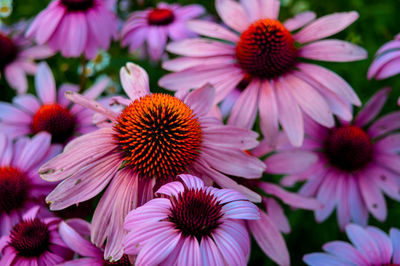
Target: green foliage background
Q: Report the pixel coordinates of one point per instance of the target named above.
(378, 23)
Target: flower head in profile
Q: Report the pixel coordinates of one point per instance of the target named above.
(34, 241)
(369, 246)
(75, 27)
(348, 167)
(152, 140)
(155, 25)
(17, 57)
(193, 225)
(387, 60)
(20, 184)
(263, 58)
(50, 112)
(75, 234)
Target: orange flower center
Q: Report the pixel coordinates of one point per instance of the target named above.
(159, 136)
(56, 120)
(266, 49)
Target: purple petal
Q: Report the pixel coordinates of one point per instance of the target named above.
(232, 14)
(372, 108)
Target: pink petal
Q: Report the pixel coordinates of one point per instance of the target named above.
(326, 26)
(333, 51)
(363, 242)
(372, 196)
(395, 238)
(300, 20)
(330, 80)
(315, 259)
(16, 77)
(192, 182)
(171, 189)
(241, 210)
(269, 239)
(34, 151)
(244, 111)
(211, 29)
(270, 8)
(290, 115)
(385, 125)
(372, 108)
(230, 249)
(190, 253)
(390, 69)
(200, 47)
(268, 111)
(381, 61)
(342, 197)
(201, 100)
(210, 253)
(45, 84)
(358, 211)
(290, 198)
(327, 196)
(37, 52)
(253, 9)
(277, 215)
(135, 81)
(182, 63)
(243, 139)
(13, 115)
(346, 251)
(310, 101)
(156, 39)
(27, 102)
(290, 162)
(75, 27)
(382, 242)
(232, 14)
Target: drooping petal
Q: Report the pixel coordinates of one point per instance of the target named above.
(135, 81)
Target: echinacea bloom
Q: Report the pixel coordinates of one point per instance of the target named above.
(52, 112)
(75, 27)
(151, 141)
(34, 241)
(17, 58)
(155, 25)
(387, 60)
(262, 58)
(20, 184)
(348, 167)
(370, 246)
(75, 234)
(193, 225)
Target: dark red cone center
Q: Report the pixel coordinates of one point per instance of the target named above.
(266, 49)
(160, 16)
(14, 189)
(56, 120)
(8, 51)
(30, 238)
(195, 213)
(349, 148)
(77, 5)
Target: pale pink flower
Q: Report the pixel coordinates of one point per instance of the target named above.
(17, 57)
(387, 60)
(370, 246)
(193, 225)
(34, 241)
(20, 184)
(155, 25)
(75, 27)
(75, 234)
(156, 137)
(259, 57)
(50, 112)
(349, 167)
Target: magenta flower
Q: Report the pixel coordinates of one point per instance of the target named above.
(155, 138)
(260, 58)
(348, 167)
(387, 60)
(20, 184)
(51, 112)
(370, 246)
(193, 225)
(75, 27)
(74, 233)
(17, 58)
(34, 241)
(155, 25)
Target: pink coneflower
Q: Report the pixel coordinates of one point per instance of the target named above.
(370, 246)
(349, 167)
(74, 27)
(155, 138)
(387, 60)
(34, 241)
(75, 234)
(156, 25)
(17, 58)
(51, 112)
(193, 225)
(20, 184)
(261, 57)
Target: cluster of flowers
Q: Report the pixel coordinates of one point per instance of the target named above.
(176, 185)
